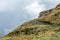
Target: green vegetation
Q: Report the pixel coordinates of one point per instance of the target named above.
(46, 27)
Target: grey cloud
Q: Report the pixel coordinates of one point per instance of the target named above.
(14, 14)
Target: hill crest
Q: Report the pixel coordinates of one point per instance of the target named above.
(45, 27)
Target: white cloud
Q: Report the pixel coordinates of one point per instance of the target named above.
(7, 5)
(53, 1)
(34, 8)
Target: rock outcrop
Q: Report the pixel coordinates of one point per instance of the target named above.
(45, 27)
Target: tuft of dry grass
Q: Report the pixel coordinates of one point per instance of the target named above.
(45, 27)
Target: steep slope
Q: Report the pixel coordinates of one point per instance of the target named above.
(45, 27)
(51, 16)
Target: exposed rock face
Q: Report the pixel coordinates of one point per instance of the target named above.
(45, 27)
(52, 15)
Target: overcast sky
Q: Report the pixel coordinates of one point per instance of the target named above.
(15, 12)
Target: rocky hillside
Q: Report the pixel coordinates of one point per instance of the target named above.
(45, 27)
(51, 16)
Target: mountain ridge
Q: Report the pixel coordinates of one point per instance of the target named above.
(45, 27)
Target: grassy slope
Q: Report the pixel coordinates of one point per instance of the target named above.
(46, 27)
(35, 31)
(52, 15)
